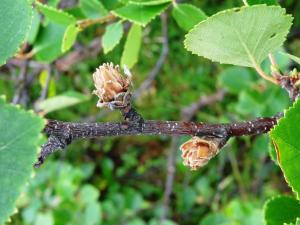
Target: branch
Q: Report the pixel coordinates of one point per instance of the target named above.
(63, 133)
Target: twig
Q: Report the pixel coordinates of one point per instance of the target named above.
(79, 54)
(22, 83)
(188, 112)
(171, 169)
(162, 58)
(66, 132)
(83, 24)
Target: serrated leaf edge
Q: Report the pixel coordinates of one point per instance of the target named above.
(25, 36)
(71, 17)
(280, 121)
(139, 23)
(226, 11)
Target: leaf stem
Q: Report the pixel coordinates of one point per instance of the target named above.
(263, 74)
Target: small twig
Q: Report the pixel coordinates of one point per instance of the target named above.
(78, 55)
(160, 62)
(83, 24)
(171, 169)
(245, 3)
(188, 112)
(22, 83)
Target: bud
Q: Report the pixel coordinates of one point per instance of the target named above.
(112, 87)
(196, 152)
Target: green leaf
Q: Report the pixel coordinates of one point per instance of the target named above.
(139, 14)
(292, 57)
(93, 214)
(132, 46)
(20, 134)
(187, 15)
(286, 136)
(149, 2)
(112, 36)
(33, 32)
(268, 2)
(93, 9)
(15, 21)
(49, 42)
(281, 209)
(242, 36)
(236, 79)
(58, 102)
(55, 15)
(69, 37)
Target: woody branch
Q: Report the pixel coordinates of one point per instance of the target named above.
(114, 92)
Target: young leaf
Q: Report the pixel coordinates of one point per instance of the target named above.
(69, 37)
(268, 2)
(187, 15)
(49, 42)
(139, 14)
(93, 9)
(18, 14)
(55, 15)
(112, 36)
(149, 2)
(292, 57)
(281, 209)
(286, 136)
(61, 101)
(20, 133)
(242, 36)
(132, 46)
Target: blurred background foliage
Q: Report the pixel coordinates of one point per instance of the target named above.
(122, 180)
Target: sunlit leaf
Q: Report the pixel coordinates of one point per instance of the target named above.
(69, 37)
(61, 101)
(281, 209)
(286, 136)
(139, 14)
(244, 37)
(187, 15)
(132, 46)
(15, 21)
(20, 134)
(112, 36)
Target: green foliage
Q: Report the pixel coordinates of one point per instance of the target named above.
(268, 2)
(63, 100)
(236, 213)
(232, 44)
(55, 15)
(285, 137)
(292, 57)
(149, 2)
(112, 36)
(140, 14)
(93, 9)
(20, 134)
(187, 15)
(69, 37)
(49, 42)
(132, 46)
(236, 79)
(15, 22)
(281, 209)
